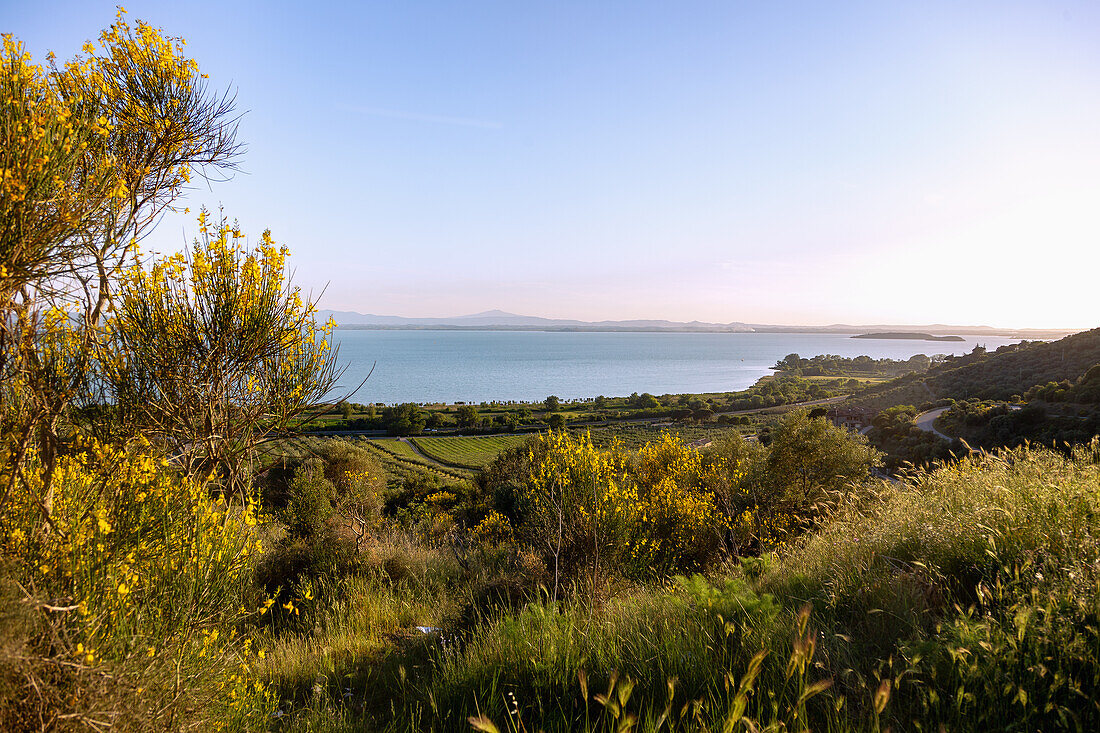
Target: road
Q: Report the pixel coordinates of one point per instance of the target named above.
(925, 421)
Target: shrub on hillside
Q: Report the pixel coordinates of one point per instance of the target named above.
(135, 572)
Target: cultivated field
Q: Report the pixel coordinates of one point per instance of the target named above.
(634, 435)
(399, 458)
(472, 452)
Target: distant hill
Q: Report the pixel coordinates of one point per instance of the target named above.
(503, 321)
(1011, 370)
(908, 335)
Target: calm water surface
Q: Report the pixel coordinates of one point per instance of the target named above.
(477, 366)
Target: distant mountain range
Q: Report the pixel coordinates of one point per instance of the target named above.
(497, 320)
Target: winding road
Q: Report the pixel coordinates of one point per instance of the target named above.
(926, 421)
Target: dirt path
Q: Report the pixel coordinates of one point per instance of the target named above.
(429, 459)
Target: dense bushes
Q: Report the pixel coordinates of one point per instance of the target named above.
(331, 504)
(833, 365)
(1010, 370)
(669, 507)
(787, 389)
(1085, 390)
(137, 571)
(904, 444)
(998, 424)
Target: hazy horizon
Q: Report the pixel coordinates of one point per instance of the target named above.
(800, 163)
(503, 313)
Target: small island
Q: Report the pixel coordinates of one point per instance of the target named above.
(908, 335)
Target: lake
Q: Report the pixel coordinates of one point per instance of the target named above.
(483, 366)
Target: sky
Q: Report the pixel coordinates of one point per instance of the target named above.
(764, 162)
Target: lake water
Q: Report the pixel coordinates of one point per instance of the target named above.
(482, 366)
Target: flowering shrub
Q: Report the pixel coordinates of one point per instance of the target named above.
(677, 525)
(138, 569)
(128, 578)
(578, 504)
(606, 510)
(214, 353)
(494, 529)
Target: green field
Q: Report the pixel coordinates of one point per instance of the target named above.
(399, 458)
(294, 448)
(471, 452)
(455, 458)
(398, 448)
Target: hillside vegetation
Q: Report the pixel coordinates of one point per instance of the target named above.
(1008, 372)
(175, 555)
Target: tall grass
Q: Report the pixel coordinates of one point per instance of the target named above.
(966, 597)
(672, 657)
(330, 670)
(976, 586)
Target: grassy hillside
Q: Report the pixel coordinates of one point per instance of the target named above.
(1000, 375)
(963, 599)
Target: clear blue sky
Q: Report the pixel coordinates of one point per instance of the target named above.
(774, 162)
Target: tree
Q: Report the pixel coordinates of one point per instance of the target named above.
(919, 362)
(600, 402)
(404, 419)
(807, 458)
(789, 363)
(552, 403)
(467, 416)
(557, 421)
(92, 154)
(213, 353)
(508, 420)
(358, 483)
